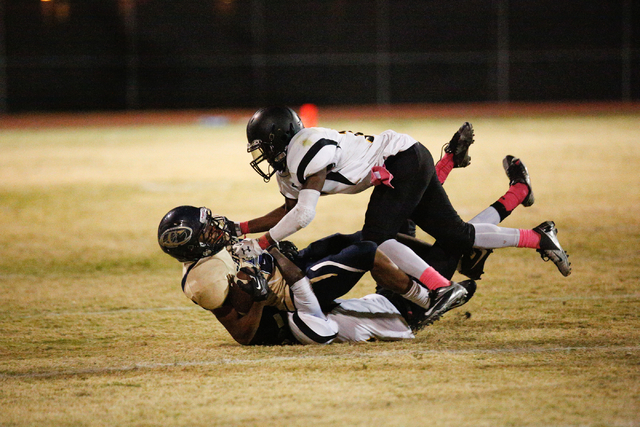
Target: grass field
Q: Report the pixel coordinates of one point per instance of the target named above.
(95, 331)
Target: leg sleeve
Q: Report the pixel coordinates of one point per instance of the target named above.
(443, 261)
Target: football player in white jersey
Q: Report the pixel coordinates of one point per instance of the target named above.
(282, 305)
(309, 162)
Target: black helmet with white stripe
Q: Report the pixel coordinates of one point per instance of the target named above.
(269, 132)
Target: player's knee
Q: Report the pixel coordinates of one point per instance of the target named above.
(310, 329)
(458, 238)
(376, 237)
(367, 247)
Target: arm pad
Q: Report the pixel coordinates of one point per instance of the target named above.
(299, 217)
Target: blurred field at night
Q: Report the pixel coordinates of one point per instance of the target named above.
(95, 331)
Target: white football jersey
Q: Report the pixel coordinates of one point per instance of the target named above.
(350, 155)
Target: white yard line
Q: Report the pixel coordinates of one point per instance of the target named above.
(366, 355)
(359, 355)
(142, 310)
(578, 297)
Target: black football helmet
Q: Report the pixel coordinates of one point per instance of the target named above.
(269, 132)
(188, 233)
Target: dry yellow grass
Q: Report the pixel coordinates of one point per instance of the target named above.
(94, 330)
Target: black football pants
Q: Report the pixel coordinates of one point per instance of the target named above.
(418, 195)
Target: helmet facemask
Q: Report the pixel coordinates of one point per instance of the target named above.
(266, 151)
(216, 234)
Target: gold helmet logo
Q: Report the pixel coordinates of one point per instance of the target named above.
(176, 236)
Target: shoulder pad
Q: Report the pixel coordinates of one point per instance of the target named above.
(318, 157)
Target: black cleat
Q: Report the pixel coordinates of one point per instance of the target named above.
(550, 248)
(459, 146)
(472, 263)
(518, 173)
(470, 286)
(442, 300)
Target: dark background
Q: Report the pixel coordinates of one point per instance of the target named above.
(75, 55)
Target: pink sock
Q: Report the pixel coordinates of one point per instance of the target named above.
(529, 239)
(514, 196)
(432, 279)
(444, 167)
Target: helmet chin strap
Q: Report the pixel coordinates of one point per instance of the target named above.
(280, 157)
(269, 174)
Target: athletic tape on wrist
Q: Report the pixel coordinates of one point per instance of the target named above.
(244, 227)
(264, 242)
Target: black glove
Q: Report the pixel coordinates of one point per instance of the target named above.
(255, 285)
(232, 227)
(289, 250)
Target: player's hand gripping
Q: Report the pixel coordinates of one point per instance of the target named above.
(247, 249)
(233, 227)
(288, 249)
(251, 281)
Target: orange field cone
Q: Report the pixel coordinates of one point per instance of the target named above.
(309, 115)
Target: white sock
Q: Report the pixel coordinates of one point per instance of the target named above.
(418, 294)
(490, 236)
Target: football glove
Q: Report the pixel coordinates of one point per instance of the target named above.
(255, 285)
(247, 249)
(288, 249)
(232, 227)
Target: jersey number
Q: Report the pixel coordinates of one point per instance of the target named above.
(367, 137)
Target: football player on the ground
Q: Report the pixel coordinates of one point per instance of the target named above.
(279, 303)
(309, 162)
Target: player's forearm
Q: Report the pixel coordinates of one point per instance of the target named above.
(264, 223)
(249, 324)
(290, 272)
(298, 217)
(243, 328)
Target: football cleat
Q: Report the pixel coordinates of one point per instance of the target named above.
(470, 286)
(550, 248)
(459, 146)
(472, 263)
(518, 173)
(442, 300)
